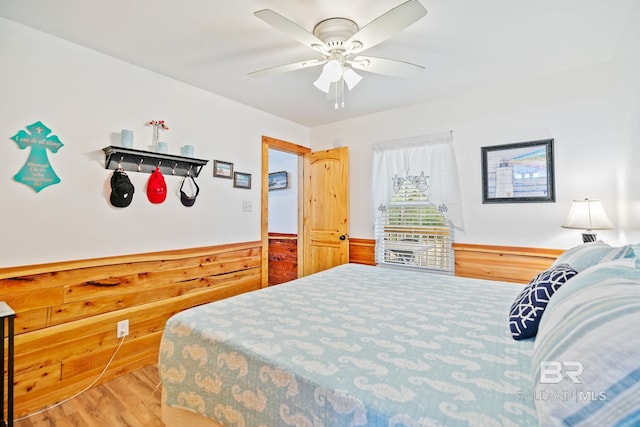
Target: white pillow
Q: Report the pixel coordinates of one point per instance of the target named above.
(589, 254)
(586, 357)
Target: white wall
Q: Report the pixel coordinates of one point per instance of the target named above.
(575, 107)
(283, 204)
(627, 126)
(86, 98)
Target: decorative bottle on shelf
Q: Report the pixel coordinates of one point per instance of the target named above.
(154, 142)
(157, 125)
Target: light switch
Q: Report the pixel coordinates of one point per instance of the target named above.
(246, 206)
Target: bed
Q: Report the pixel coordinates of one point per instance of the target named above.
(363, 345)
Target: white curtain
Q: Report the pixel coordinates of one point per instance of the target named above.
(431, 155)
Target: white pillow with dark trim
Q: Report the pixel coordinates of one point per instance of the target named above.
(526, 311)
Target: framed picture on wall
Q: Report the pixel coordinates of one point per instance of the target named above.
(241, 180)
(519, 172)
(222, 169)
(278, 180)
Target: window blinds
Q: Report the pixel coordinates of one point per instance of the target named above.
(413, 233)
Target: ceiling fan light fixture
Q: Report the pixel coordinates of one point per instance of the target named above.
(351, 78)
(322, 83)
(332, 70)
(331, 73)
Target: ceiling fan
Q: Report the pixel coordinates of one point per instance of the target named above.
(340, 40)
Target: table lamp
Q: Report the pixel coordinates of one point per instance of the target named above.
(589, 215)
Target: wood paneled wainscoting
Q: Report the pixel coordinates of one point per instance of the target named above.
(66, 313)
(362, 251)
(504, 263)
(283, 257)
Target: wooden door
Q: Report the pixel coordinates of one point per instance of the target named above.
(326, 209)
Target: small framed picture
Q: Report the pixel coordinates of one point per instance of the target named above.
(222, 169)
(520, 172)
(241, 180)
(278, 180)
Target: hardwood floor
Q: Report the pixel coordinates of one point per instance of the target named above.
(132, 400)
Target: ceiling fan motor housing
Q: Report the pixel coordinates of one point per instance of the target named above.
(335, 31)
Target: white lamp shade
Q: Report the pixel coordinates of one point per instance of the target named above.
(333, 78)
(351, 78)
(322, 83)
(331, 72)
(588, 215)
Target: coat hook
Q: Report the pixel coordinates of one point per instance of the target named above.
(173, 171)
(140, 165)
(159, 163)
(120, 162)
(189, 171)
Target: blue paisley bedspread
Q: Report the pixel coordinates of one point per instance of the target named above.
(355, 345)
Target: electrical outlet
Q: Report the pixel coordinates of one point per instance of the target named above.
(123, 328)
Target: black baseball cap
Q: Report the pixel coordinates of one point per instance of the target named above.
(121, 189)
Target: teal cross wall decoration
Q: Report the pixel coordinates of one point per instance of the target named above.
(37, 171)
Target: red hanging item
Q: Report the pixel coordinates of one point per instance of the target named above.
(156, 187)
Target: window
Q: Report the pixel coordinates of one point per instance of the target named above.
(416, 200)
(414, 233)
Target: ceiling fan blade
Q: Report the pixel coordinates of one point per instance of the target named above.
(388, 24)
(288, 67)
(291, 29)
(388, 67)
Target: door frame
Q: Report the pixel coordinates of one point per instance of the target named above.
(289, 147)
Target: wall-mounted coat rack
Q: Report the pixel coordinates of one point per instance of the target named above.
(133, 160)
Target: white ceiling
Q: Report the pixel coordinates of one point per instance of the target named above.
(213, 44)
